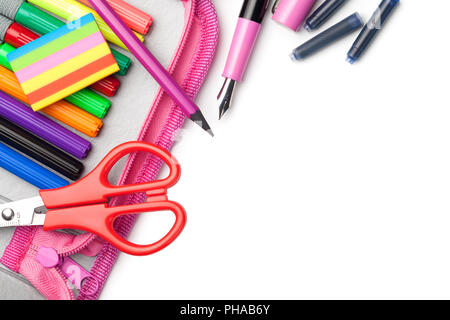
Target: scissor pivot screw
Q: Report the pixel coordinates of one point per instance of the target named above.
(8, 214)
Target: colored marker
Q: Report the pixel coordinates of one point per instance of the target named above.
(372, 27)
(323, 13)
(62, 110)
(72, 10)
(43, 127)
(86, 99)
(329, 36)
(17, 36)
(107, 86)
(74, 117)
(136, 19)
(14, 34)
(244, 39)
(28, 170)
(40, 150)
(292, 13)
(161, 75)
(42, 23)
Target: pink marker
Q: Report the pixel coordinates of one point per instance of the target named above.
(247, 31)
(292, 13)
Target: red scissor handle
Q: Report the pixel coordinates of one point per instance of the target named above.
(99, 219)
(83, 205)
(95, 188)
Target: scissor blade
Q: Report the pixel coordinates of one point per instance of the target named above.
(28, 212)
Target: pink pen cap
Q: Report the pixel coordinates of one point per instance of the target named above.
(292, 13)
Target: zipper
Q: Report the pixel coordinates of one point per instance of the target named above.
(53, 260)
(69, 291)
(68, 269)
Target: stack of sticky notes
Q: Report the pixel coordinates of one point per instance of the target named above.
(62, 62)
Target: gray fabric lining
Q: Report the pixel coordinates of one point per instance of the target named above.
(13, 287)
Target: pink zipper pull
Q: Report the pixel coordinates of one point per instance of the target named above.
(76, 274)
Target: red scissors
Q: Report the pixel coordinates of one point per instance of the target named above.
(83, 205)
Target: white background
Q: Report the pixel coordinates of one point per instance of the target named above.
(325, 180)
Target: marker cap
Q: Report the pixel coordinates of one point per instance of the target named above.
(292, 13)
(108, 86)
(4, 50)
(36, 19)
(91, 102)
(40, 125)
(123, 61)
(18, 36)
(74, 117)
(136, 19)
(28, 170)
(40, 150)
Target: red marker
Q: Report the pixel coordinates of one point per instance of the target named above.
(17, 35)
(108, 86)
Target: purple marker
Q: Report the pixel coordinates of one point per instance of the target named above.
(247, 31)
(43, 127)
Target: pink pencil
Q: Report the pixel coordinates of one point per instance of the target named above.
(150, 63)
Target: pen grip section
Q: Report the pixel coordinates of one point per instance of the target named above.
(244, 40)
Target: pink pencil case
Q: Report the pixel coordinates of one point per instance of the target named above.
(30, 253)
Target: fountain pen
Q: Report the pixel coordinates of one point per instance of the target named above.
(244, 39)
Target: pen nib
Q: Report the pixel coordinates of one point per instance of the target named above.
(225, 96)
(200, 120)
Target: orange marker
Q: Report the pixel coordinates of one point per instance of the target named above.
(62, 110)
(136, 19)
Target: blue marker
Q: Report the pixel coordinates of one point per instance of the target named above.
(29, 171)
(371, 29)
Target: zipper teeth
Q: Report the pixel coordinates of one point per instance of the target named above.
(79, 248)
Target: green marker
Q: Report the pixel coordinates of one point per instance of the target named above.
(87, 100)
(41, 22)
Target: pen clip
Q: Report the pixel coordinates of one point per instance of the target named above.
(275, 6)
